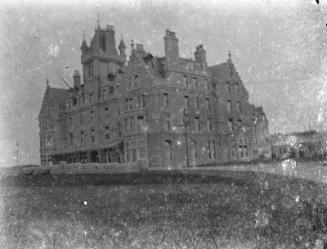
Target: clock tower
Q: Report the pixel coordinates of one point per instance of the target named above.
(100, 60)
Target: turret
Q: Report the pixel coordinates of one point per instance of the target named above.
(77, 79)
(171, 46)
(200, 55)
(84, 46)
(122, 49)
(110, 44)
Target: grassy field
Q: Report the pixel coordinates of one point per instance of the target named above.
(251, 211)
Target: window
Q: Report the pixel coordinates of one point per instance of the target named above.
(126, 105)
(83, 98)
(132, 124)
(143, 100)
(131, 103)
(70, 121)
(82, 137)
(209, 124)
(104, 94)
(136, 79)
(165, 100)
(126, 125)
(209, 150)
(186, 101)
(167, 123)
(207, 85)
(194, 152)
(141, 150)
(119, 129)
(208, 103)
(194, 82)
(240, 123)
(228, 87)
(168, 150)
(197, 123)
(91, 98)
(92, 135)
(81, 119)
(184, 81)
(107, 133)
(127, 152)
(140, 123)
(133, 150)
(111, 89)
(91, 116)
(71, 138)
(197, 103)
(230, 125)
(238, 106)
(229, 105)
(106, 113)
(213, 149)
(90, 69)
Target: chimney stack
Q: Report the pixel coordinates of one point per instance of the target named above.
(77, 79)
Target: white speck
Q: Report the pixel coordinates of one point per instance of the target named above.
(85, 203)
(179, 142)
(53, 50)
(297, 198)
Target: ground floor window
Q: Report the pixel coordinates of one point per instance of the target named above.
(141, 149)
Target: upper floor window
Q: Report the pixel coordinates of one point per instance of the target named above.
(107, 133)
(90, 69)
(104, 94)
(71, 138)
(81, 118)
(140, 123)
(70, 121)
(132, 124)
(194, 82)
(126, 105)
(186, 101)
(228, 87)
(167, 123)
(106, 113)
(197, 103)
(184, 81)
(143, 100)
(230, 124)
(197, 124)
(229, 105)
(126, 125)
(207, 103)
(238, 106)
(82, 137)
(91, 116)
(165, 100)
(207, 85)
(92, 135)
(131, 103)
(136, 81)
(209, 124)
(91, 98)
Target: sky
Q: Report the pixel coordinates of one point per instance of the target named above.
(278, 48)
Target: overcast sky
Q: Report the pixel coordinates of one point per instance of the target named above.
(278, 49)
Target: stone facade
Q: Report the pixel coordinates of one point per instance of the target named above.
(171, 111)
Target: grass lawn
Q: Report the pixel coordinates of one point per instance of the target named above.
(261, 211)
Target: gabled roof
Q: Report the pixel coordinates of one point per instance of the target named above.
(58, 95)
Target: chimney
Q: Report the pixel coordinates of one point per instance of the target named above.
(77, 79)
(171, 46)
(200, 55)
